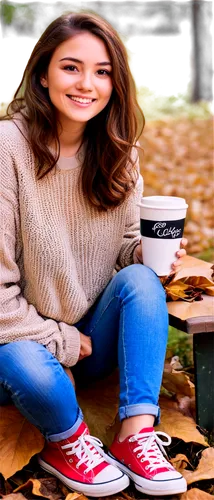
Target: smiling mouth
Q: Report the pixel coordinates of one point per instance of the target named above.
(82, 100)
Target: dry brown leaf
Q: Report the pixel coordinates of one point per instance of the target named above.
(175, 363)
(178, 383)
(186, 405)
(179, 426)
(190, 282)
(205, 469)
(195, 494)
(180, 462)
(75, 496)
(194, 267)
(46, 487)
(19, 441)
(14, 496)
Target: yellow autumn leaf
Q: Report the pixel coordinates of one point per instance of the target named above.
(19, 441)
(199, 282)
(75, 496)
(210, 290)
(176, 290)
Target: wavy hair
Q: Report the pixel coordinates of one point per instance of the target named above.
(109, 172)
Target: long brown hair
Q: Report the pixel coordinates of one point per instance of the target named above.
(109, 172)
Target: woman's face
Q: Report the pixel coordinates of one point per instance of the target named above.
(79, 78)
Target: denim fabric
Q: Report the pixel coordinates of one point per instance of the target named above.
(128, 326)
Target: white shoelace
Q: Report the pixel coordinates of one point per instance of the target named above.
(152, 449)
(88, 449)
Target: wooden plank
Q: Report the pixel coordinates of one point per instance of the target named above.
(180, 311)
(186, 310)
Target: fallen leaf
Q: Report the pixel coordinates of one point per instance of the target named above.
(195, 494)
(178, 382)
(210, 291)
(45, 487)
(75, 496)
(176, 290)
(14, 496)
(200, 282)
(205, 469)
(175, 363)
(19, 441)
(179, 426)
(186, 405)
(180, 462)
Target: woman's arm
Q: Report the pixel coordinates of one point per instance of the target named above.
(131, 237)
(18, 319)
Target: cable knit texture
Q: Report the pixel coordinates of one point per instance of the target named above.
(57, 252)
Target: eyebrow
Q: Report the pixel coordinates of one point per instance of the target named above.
(73, 59)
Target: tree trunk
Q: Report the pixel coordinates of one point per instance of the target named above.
(202, 50)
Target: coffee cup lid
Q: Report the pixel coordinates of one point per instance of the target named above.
(163, 202)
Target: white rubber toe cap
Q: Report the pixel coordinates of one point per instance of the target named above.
(110, 473)
(166, 476)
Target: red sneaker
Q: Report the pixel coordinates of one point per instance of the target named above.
(141, 457)
(82, 465)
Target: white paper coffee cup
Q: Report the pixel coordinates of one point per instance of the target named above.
(161, 224)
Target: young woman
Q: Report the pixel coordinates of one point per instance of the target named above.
(69, 217)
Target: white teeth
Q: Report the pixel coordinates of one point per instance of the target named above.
(82, 100)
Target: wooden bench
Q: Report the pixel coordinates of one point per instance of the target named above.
(197, 318)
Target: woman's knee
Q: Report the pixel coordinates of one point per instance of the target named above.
(27, 361)
(141, 280)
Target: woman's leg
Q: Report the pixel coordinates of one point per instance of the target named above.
(38, 386)
(129, 324)
(44, 394)
(132, 312)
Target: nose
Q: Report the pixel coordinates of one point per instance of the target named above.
(85, 82)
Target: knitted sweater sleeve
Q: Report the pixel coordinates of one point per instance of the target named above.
(18, 319)
(131, 237)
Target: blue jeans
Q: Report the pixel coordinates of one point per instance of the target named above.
(128, 326)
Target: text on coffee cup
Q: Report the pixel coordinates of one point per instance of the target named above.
(162, 229)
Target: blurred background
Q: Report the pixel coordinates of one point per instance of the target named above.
(169, 44)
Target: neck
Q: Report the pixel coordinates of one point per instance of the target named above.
(70, 138)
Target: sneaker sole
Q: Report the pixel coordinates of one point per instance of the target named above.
(167, 487)
(94, 490)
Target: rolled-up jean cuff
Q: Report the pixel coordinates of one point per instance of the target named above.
(66, 434)
(140, 409)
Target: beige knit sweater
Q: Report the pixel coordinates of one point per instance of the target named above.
(57, 253)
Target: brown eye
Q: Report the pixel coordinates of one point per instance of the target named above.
(66, 67)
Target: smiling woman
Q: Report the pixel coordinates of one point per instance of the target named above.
(118, 121)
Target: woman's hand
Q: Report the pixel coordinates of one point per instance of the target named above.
(85, 346)
(176, 265)
(85, 350)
